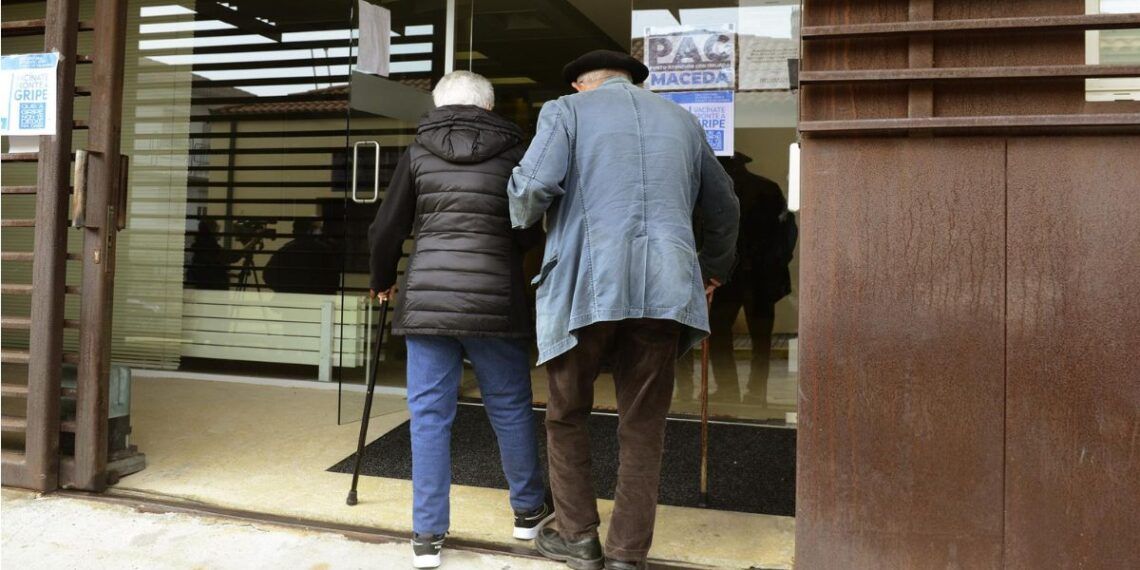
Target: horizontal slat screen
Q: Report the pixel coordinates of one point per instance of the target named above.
(966, 66)
(236, 122)
(22, 206)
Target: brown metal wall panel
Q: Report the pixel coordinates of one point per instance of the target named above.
(832, 12)
(1000, 56)
(862, 53)
(976, 9)
(901, 397)
(991, 50)
(828, 103)
(849, 102)
(1037, 97)
(823, 103)
(1073, 407)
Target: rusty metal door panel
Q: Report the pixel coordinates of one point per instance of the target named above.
(901, 406)
(37, 464)
(1073, 407)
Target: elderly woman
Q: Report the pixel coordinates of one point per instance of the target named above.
(464, 296)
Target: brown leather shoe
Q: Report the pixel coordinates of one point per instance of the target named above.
(612, 564)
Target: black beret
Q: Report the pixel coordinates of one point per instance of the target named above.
(605, 59)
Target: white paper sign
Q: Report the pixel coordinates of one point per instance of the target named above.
(794, 177)
(375, 39)
(683, 58)
(27, 89)
(717, 114)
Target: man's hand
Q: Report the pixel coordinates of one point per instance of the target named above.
(710, 287)
(383, 295)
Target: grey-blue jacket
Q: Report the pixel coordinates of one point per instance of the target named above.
(619, 171)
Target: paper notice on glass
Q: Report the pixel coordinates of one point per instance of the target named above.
(716, 112)
(686, 57)
(769, 40)
(375, 39)
(27, 89)
(794, 177)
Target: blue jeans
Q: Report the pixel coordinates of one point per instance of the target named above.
(435, 367)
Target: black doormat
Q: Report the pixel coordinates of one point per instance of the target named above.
(752, 469)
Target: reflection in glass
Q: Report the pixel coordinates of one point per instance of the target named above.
(1113, 47)
(753, 318)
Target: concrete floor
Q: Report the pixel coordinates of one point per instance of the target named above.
(57, 533)
(266, 449)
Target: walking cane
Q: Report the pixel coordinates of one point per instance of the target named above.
(368, 401)
(704, 499)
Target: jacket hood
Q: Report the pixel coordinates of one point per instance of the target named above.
(466, 134)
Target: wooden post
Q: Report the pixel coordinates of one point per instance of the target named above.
(99, 244)
(49, 257)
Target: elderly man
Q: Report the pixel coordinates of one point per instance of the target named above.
(618, 172)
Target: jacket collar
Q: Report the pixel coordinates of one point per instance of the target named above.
(614, 81)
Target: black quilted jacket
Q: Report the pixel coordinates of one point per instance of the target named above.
(465, 275)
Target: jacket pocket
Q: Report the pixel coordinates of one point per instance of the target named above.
(547, 267)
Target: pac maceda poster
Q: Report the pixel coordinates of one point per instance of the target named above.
(684, 58)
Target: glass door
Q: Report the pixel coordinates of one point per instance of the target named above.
(235, 116)
(754, 318)
(399, 50)
(521, 47)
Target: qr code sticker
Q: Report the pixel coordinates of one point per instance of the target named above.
(33, 115)
(716, 139)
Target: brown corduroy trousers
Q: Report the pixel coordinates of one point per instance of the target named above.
(643, 353)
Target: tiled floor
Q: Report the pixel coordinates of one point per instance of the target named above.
(267, 448)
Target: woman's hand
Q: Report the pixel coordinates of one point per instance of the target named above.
(383, 295)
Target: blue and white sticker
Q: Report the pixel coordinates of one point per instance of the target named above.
(28, 92)
(716, 112)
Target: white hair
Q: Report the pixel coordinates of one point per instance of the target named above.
(464, 88)
(600, 75)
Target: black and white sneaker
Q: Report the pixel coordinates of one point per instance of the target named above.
(527, 524)
(425, 550)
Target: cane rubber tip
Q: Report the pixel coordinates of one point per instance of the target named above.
(351, 500)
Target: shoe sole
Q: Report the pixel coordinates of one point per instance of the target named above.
(575, 563)
(523, 533)
(425, 561)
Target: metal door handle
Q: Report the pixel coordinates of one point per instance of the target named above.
(375, 172)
